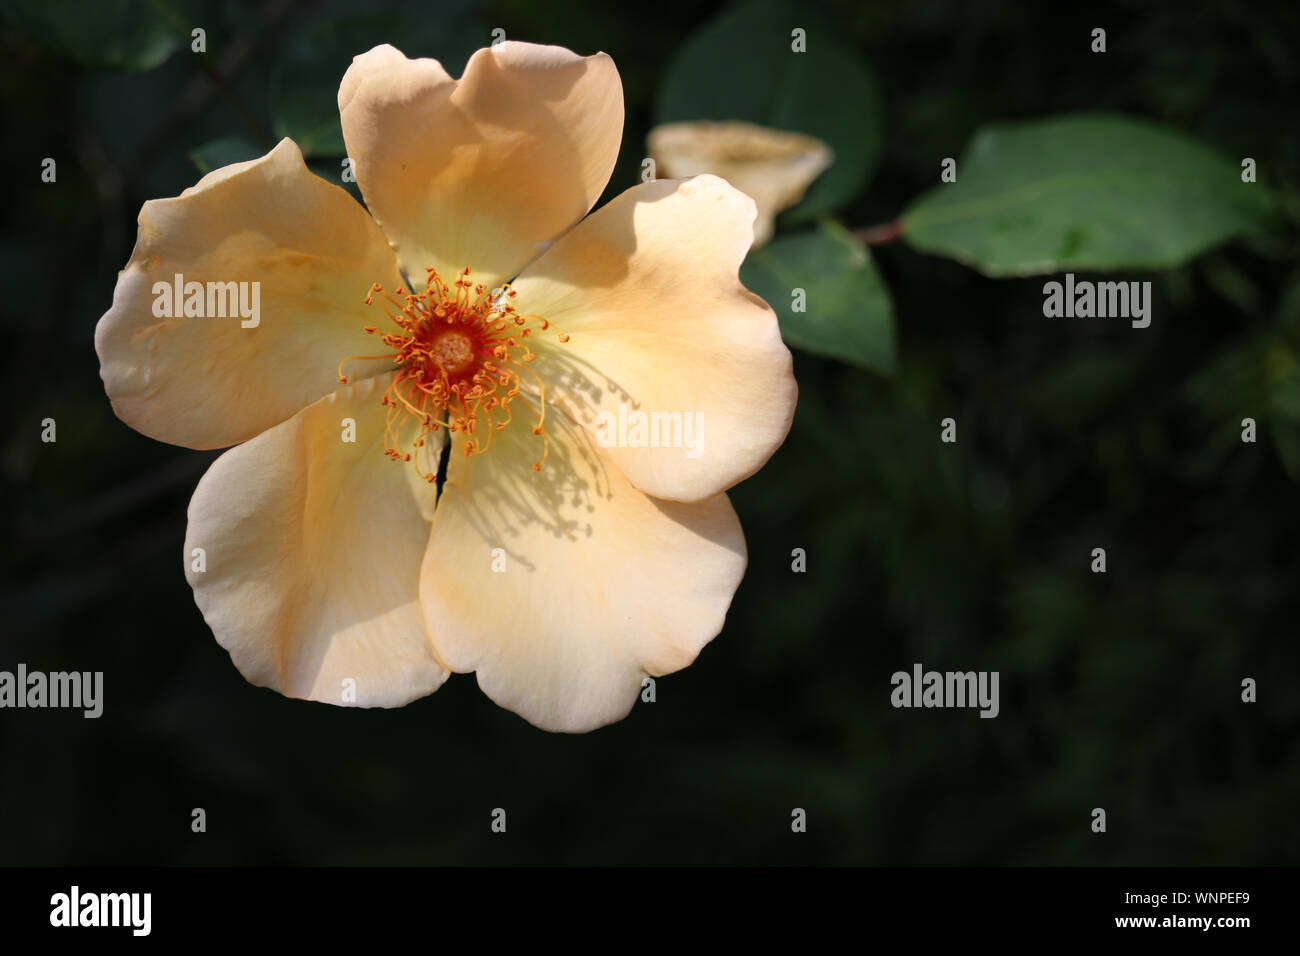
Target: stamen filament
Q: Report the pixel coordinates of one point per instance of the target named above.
(459, 350)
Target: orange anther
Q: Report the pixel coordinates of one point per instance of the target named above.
(455, 366)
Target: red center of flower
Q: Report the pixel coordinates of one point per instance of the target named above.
(459, 352)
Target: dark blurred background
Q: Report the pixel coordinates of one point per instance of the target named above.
(1119, 690)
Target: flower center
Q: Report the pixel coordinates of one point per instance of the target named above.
(454, 351)
(459, 352)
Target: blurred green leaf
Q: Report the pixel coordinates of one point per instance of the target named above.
(740, 66)
(1085, 191)
(305, 84)
(1282, 369)
(224, 151)
(1258, 378)
(132, 35)
(1083, 385)
(849, 314)
(1286, 440)
(1231, 283)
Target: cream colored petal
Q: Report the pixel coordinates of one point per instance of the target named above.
(564, 588)
(312, 548)
(661, 330)
(211, 381)
(773, 167)
(478, 172)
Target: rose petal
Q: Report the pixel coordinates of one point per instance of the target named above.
(312, 547)
(600, 584)
(478, 172)
(210, 382)
(647, 288)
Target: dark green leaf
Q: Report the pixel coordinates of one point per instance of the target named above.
(740, 66)
(1283, 371)
(849, 314)
(305, 86)
(223, 152)
(1286, 441)
(1087, 191)
(132, 35)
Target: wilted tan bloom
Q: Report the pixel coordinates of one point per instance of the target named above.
(771, 166)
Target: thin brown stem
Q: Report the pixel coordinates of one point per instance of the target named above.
(879, 235)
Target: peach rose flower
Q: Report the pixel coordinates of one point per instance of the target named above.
(578, 542)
